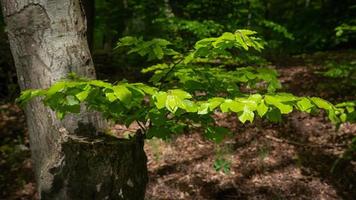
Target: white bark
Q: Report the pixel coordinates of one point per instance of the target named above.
(48, 41)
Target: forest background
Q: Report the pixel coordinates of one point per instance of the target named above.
(310, 43)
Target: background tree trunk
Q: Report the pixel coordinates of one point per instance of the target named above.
(89, 10)
(72, 159)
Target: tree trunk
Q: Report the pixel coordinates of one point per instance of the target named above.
(72, 159)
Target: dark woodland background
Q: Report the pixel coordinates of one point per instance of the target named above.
(311, 43)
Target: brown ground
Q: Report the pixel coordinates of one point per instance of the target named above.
(291, 160)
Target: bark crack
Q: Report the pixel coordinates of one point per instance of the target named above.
(30, 19)
(24, 8)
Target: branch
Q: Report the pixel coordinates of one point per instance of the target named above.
(169, 71)
(141, 126)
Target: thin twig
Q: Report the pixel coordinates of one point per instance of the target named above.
(169, 71)
(141, 126)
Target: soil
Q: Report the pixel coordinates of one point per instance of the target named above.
(296, 159)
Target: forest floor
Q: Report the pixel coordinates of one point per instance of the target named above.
(290, 160)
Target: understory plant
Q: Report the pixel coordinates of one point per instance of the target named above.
(186, 89)
(344, 72)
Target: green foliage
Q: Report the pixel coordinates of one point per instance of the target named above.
(214, 80)
(345, 29)
(187, 90)
(153, 49)
(126, 102)
(214, 47)
(312, 24)
(218, 46)
(277, 28)
(344, 72)
(197, 70)
(194, 29)
(275, 34)
(348, 112)
(222, 165)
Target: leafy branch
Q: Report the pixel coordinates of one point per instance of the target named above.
(118, 101)
(192, 93)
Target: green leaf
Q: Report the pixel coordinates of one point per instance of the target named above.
(123, 94)
(279, 102)
(72, 100)
(247, 32)
(274, 115)
(158, 132)
(256, 98)
(127, 41)
(305, 105)
(350, 109)
(246, 115)
(223, 40)
(215, 102)
(158, 52)
(188, 106)
(57, 87)
(251, 102)
(82, 95)
(332, 116)
(55, 100)
(111, 96)
(202, 52)
(321, 103)
(222, 164)
(145, 88)
(228, 36)
(189, 58)
(231, 105)
(240, 41)
(173, 102)
(161, 42)
(203, 109)
(28, 95)
(155, 68)
(160, 99)
(72, 108)
(60, 115)
(262, 109)
(180, 93)
(157, 117)
(343, 117)
(100, 84)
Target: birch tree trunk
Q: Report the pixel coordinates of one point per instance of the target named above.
(72, 159)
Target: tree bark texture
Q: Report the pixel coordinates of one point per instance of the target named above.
(72, 160)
